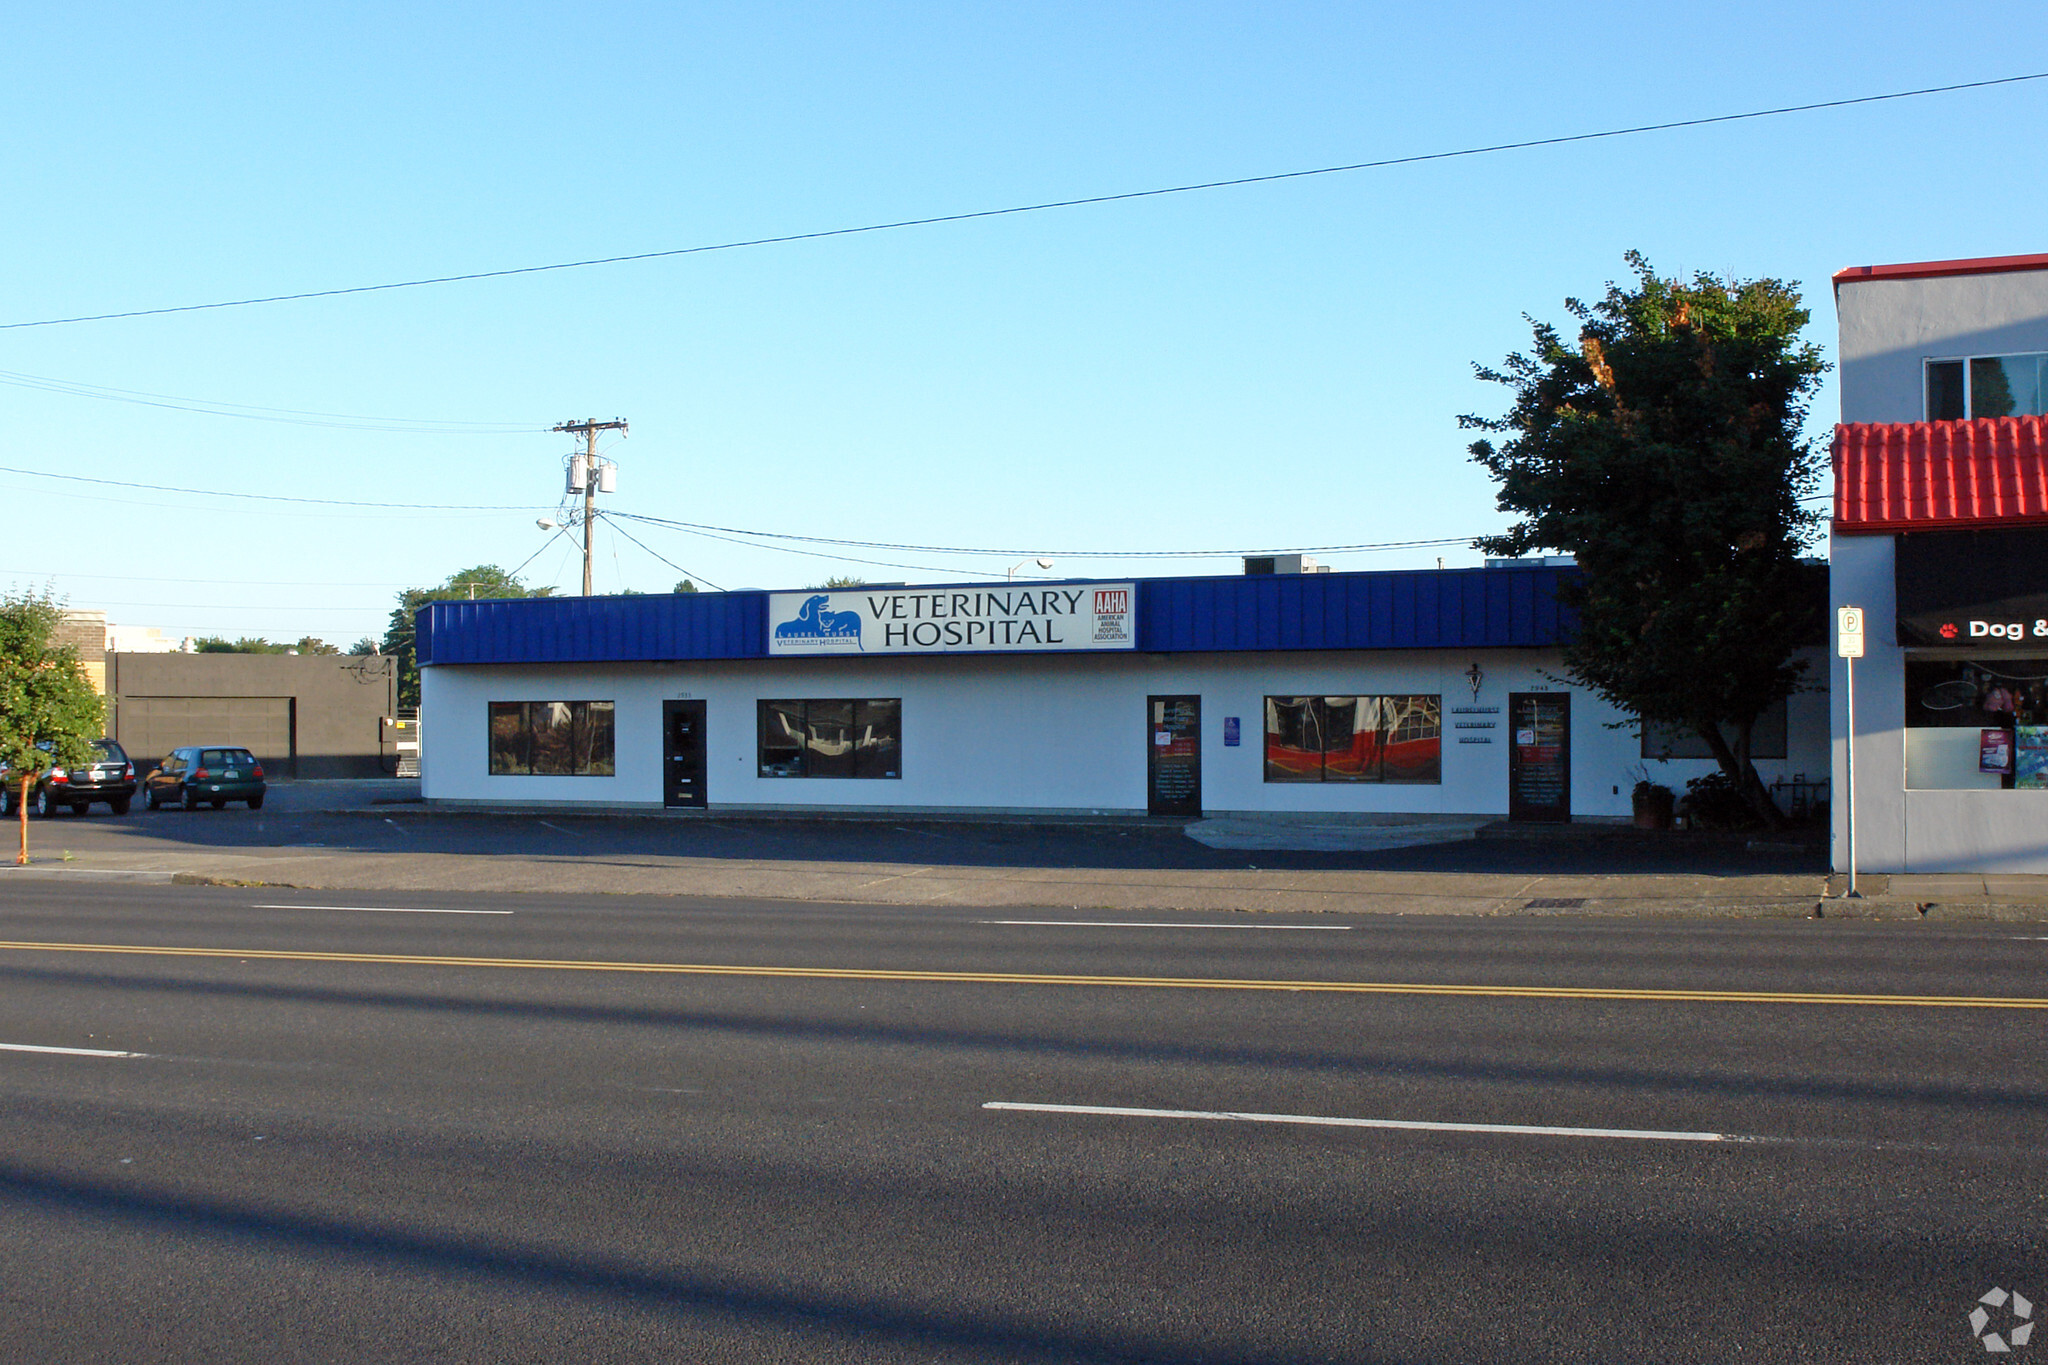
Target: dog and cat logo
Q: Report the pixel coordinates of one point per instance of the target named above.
(815, 620)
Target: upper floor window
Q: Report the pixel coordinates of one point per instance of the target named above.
(1987, 386)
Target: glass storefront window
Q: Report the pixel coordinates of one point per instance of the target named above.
(1354, 739)
(552, 738)
(832, 738)
(1977, 723)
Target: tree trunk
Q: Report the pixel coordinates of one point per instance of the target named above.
(21, 809)
(1742, 773)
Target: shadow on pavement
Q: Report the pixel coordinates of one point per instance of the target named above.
(1135, 845)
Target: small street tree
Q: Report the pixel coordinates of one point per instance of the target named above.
(44, 696)
(485, 580)
(1666, 452)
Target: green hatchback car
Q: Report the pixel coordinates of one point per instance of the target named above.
(209, 773)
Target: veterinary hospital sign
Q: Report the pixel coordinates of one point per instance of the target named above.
(971, 620)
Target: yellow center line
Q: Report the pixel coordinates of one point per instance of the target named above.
(1050, 978)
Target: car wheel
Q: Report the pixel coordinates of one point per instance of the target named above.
(148, 799)
(7, 800)
(191, 799)
(119, 805)
(256, 802)
(45, 807)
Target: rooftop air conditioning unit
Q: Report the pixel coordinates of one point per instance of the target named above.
(1283, 564)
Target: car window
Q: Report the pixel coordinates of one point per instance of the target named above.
(226, 758)
(110, 752)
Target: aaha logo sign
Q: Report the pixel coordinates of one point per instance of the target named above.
(1060, 618)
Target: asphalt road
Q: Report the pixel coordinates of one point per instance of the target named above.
(340, 1127)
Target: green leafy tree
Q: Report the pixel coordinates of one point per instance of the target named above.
(44, 696)
(1665, 451)
(684, 585)
(483, 581)
(313, 644)
(837, 584)
(363, 647)
(247, 644)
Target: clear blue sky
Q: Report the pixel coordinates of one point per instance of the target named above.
(1270, 365)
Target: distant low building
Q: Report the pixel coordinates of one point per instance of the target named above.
(140, 640)
(305, 716)
(86, 632)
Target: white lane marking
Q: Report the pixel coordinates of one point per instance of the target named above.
(1154, 924)
(67, 1051)
(559, 830)
(385, 909)
(1324, 1121)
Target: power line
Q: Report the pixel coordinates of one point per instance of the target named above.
(658, 555)
(1041, 550)
(836, 558)
(337, 420)
(215, 582)
(273, 497)
(1082, 202)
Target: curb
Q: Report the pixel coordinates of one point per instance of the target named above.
(110, 874)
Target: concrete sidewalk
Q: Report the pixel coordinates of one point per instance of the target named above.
(1244, 889)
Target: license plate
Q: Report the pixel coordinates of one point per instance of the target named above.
(230, 775)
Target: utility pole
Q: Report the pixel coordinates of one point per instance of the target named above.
(588, 429)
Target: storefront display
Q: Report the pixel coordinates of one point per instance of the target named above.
(2030, 757)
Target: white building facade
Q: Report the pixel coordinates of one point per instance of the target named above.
(1941, 537)
(1368, 694)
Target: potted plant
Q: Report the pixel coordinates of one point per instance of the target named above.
(1652, 804)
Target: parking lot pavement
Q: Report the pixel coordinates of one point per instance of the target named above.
(374, 836)
(377, 836)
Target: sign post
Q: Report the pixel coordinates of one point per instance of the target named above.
(1849, 644)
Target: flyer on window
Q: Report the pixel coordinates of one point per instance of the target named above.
(1994, 751)
(2030, 756)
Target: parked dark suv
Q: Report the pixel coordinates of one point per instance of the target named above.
(209, 773)
(110, 777)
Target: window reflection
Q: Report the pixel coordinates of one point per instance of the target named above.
(860, 738)
(1396, 738)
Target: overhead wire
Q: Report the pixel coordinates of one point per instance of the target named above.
(337, 420)
(276, 497)
(727, 531)
(693, 577)
(1042, 207)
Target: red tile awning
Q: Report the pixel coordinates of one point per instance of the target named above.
(1922, 476)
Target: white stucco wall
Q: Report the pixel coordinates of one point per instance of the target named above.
(1889, 327)
(1901, 830)
(1806, 740)
(1036, 732)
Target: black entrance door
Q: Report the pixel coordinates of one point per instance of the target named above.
(1540, 756)
(682, 737)
(1173, 752)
